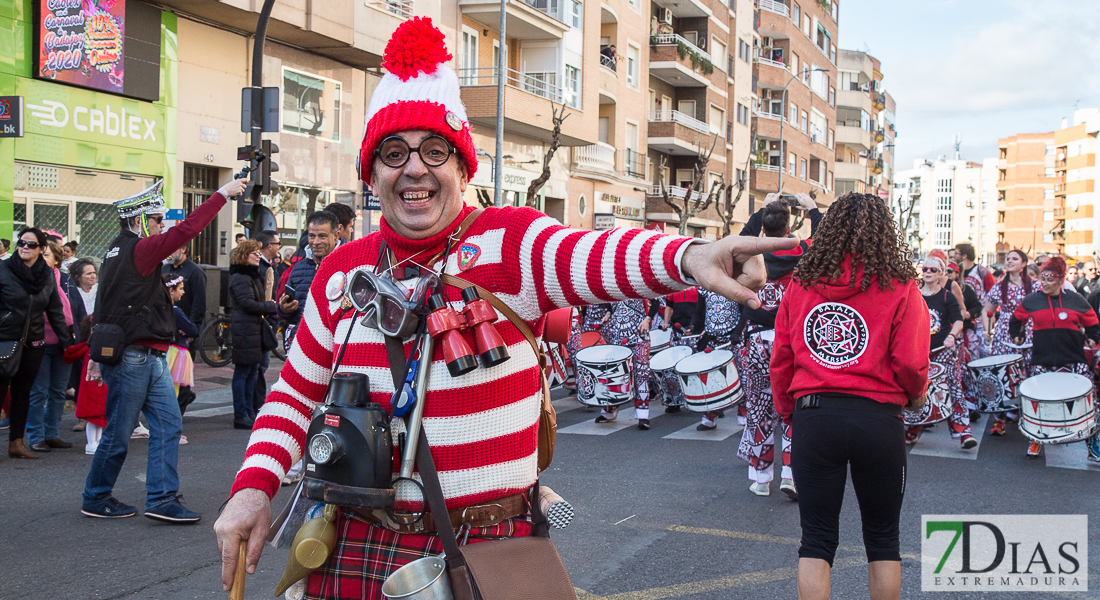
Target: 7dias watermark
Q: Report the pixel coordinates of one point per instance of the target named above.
(1004, 553)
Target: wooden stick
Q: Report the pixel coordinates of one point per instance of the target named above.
(237, 591)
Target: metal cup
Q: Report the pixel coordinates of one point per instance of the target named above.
(422, 579)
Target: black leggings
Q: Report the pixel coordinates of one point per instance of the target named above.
(20, 387)
(824, 442)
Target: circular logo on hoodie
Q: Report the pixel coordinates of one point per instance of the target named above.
(835, 333)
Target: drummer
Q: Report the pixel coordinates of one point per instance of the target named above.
(1059, 318)
(627, 323)
(762, 421)
(586, 319)
(1007, 295)
(677, 314)
(946, 325)
(973, 344)
(720, 321)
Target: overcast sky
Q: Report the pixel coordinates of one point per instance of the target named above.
(985, 69)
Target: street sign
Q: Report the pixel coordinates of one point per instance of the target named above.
(603, 221)
(270, 110)
(372, 202)
(174, 214)
(11, 116)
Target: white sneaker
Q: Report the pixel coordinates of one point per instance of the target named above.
(761, 489)
(139, 432)
(89, 449)
(787, 487)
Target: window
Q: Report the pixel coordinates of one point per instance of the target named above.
(496, 59)
(744, 51)
(467, 66)
(572, 86)
(819, 82)
(790, 163)
(832, 96)
(802, 169)
(717, 117)
(819, 125)
(794, 114)
(830, 139)
(634, 3)
(794, 63)
(806, 25)
(576, 13)
(805, 122)
(1050, 149)
(1048, 172)
(742, 114)
(717, 52)
(311, 105)
(729, 130)
(632, 54)
(796, 14)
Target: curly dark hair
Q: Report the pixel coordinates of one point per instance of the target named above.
(859, 225)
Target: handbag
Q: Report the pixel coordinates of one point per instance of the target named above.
(107, 343)
(268, 341)
(11, 353)
(525, 568)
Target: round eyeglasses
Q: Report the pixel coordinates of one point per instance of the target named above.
(434, 151)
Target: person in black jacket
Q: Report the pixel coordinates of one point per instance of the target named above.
(28, 296)
(193, 303)
(246, 293)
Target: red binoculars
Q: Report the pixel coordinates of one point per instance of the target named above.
(446, 325)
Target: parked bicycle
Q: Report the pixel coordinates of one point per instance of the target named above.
(216, 341)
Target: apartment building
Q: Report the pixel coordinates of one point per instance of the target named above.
(795, 119)
(1026, 201)
(986, 242)
(860, 130)
(941, 203)
(1075, 192)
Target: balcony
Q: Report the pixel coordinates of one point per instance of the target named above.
(599, 157)
(400, 8)
(775, 7)
(854, 99)
(686, 8)
(673, 132)
(849, 171)
(876, 166)
(678, 62)
(608, 63)
(767, 62)
(633, 163)
(878, 134)
(676, 193)
(527, 97)
(879, 100)
(764, 177)
(526, 19)
(767, 125)
(852, 135)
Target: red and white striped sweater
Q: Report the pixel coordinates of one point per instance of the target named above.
(482, 426)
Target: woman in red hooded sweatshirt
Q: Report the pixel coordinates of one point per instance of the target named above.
(851, 350)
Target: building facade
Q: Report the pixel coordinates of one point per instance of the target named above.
(942, 203)
(1075, 192)
(1026, 202)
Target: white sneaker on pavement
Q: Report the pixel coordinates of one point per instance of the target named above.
(139, 432)
(787, 487)
(761, 489)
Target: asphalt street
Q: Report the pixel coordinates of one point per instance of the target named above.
(664, 513)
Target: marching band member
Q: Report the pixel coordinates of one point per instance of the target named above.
(626, 323)
(678, 313)
(1058, 318)
(972, 344)
(762, 422)
(720, 321)
(1007, 295)
(946, 325)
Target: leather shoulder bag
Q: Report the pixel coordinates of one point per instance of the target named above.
(11, 353)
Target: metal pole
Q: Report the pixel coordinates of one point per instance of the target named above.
(416, 417)
(498, 178)
(258, 83)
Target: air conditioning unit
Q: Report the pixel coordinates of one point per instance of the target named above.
(666, 16)
(767, 43)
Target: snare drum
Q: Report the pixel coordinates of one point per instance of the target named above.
(939, 404)
(604, 375)
(664, 362)
(710, 381)
(1057, 408)
(659, 340)
(996, 382)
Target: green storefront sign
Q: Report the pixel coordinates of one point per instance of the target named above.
(83, 128)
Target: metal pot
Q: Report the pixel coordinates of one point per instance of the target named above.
(422, 579)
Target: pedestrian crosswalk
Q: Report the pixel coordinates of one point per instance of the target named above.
(726, 427)
(937, 442)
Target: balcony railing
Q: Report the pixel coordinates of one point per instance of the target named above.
(767, 167)
(879, 99)
(818, 185)
(771, 63)
(400, 8)
(1060, 164)
(597, 157)
(675, 39)
(607, 61)
(549, 7)
(633, 163)
(767, 115)
(540, 83)
(675, 192)
(675, 116)
(775, 7)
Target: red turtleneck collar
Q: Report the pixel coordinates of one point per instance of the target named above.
(403, 247)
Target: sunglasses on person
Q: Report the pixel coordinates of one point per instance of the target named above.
(28, 245)
(389, 308)
(930, 269)
(157, 218)
(433, 150)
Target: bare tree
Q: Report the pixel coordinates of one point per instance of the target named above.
(694, 202)
(555, 143)
(800, 217)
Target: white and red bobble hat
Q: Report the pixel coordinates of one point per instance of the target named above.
(418, 91)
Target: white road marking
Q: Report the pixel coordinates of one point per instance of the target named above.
(938, 441)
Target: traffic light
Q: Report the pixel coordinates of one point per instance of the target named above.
(267, 167)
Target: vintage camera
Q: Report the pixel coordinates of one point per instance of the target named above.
(349, 451)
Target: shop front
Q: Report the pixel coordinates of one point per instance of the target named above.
(613, 210)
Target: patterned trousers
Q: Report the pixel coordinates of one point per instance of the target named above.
(761, 420)
(958, 421)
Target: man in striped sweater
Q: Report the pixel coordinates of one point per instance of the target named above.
(482, 426)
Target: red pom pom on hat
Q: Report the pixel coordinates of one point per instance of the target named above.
(416, 46)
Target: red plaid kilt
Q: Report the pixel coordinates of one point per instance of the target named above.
(365, 555)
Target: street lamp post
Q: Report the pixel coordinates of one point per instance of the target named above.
(782, 121)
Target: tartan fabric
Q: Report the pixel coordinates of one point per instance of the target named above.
(365, 555)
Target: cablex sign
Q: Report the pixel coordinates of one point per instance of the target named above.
(83, 118)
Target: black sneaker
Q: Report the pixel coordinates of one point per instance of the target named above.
(108, 509)
(173, 512)
(643, 424)
(672, 408)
